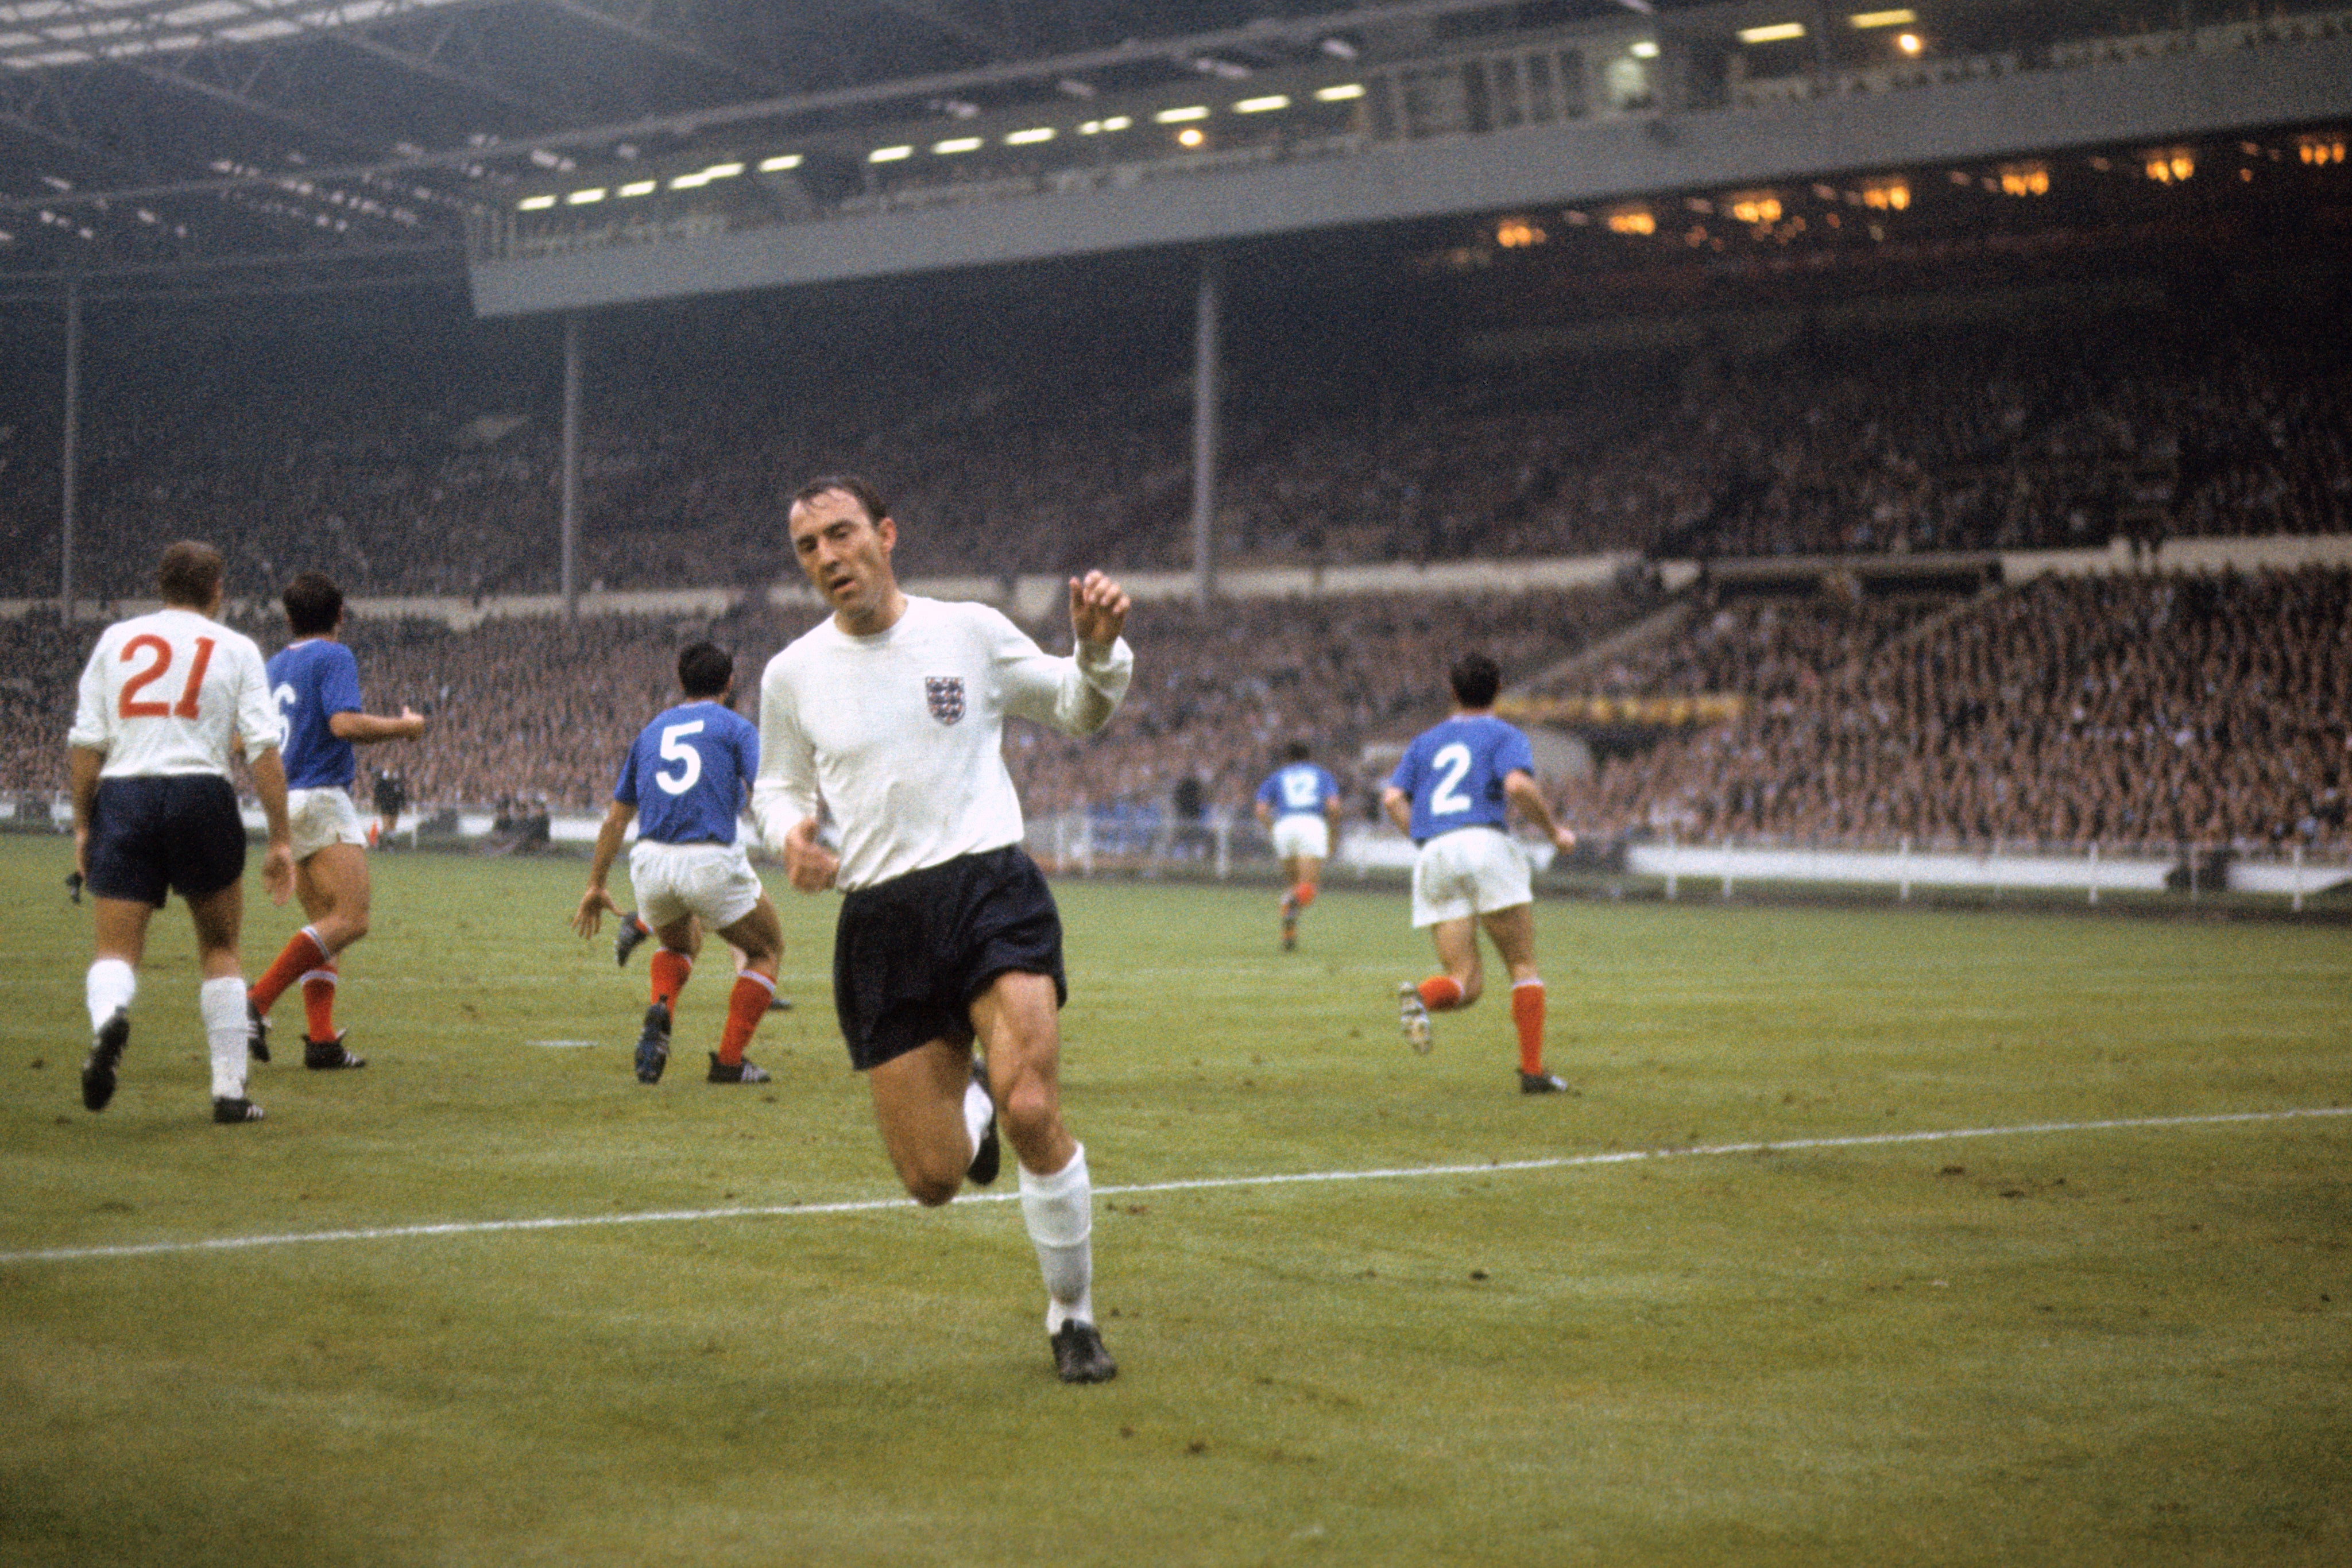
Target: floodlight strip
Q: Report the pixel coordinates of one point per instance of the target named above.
(689, 122)
(1198, 1183)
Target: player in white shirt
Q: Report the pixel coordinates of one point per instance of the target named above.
(161, 700)
(889, 717)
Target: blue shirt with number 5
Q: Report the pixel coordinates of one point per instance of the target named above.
(1454, 773)
(688, 774)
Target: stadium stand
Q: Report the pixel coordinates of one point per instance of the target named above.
(1911, 443)
(2148, 709)
(2156, 709)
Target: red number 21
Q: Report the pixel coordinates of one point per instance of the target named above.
(162, 660)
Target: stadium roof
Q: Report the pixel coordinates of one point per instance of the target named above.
(140, 139)
(187, 146)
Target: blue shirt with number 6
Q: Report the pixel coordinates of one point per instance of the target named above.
(1454, 773)
(688, 774)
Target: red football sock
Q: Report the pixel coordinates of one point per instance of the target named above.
(1302, 896)
(670, 969)
(1527, 1013)
(303, 952)
(1441, 993)
(318, 1000)
(747, 1003)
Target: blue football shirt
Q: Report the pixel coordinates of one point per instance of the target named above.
(312, 681)
(1454, 773)
(688, 773)
(1298, 790)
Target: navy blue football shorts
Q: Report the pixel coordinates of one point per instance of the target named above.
(179, 831)
(911, 955)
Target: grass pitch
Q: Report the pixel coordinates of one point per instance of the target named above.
(2042, 1338)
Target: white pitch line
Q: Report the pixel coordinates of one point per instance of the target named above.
(1197, 1183)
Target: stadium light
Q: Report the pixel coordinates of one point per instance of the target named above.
(1340, 94)
(1178, 116)
(780, 162)
(1774, 33)
(582, 198)
(639, 188)
(957, 144)
(1644, 49)
(1884, 19)
(534, 204)
(889, 154)
(1190, 136)
(1262, 105)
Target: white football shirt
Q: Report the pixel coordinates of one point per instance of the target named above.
(901, 734)
(164, 692)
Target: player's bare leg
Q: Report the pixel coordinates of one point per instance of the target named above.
(1458, 983)
(1513, 932)
(333, 886)
(219, 918)
(1305, 873)
(1018, 1020)
(918, 1108)
(758, 940)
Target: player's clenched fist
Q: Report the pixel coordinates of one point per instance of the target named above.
(1098, 609)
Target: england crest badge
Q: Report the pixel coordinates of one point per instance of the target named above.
(945, 694)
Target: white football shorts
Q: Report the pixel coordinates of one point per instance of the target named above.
(322, 816)
(1300, 834)
(1470, 871)
(715, 881)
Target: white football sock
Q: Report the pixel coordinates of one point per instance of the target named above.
(1060, 1213)
(222, 1003)
(110, 986)
(977, 1109)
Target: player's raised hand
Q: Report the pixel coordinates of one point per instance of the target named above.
(412, 723)
(1563, 838)
(1098, 609)
(808, 864)
(591, 913)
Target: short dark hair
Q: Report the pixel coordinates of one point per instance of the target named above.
(189, 574)
(313, 603)
(1299, 751)
(849, 485)
(1475, 680)
(704, 669)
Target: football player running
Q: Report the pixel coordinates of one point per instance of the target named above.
(1452, 794)
(685, 779)
(1299, 805)
(315, 681)
(162, 701)
(889, 715)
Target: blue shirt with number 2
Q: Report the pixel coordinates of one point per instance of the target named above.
(1454, 773)
(689, 773)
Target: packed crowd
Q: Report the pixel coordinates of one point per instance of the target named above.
(1967, 441)
(2155, 708)
(1220, 692)
(2159, 709)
